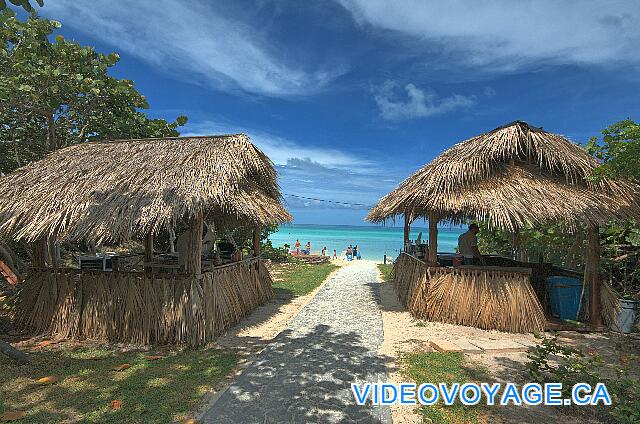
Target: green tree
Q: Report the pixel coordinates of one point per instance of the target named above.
(54, 93)
(24, 4)
(618, 150)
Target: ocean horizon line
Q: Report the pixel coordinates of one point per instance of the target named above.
(413, 227)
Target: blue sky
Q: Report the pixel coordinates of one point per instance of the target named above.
(349, 97)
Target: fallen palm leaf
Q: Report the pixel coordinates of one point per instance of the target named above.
(191, 421)
(12, 415)
(116, 404)
(121, 367)
(45, 381)
(42, 344)
(153, 357)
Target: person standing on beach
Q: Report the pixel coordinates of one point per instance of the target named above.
(297, 247)
(324, 251)
(355, 251)
(308, 247)
(349, 253)
(335, 254)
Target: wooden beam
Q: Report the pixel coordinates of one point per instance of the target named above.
(148, 250)
(257, 232)
(39, 253)
(53, 252)
(592, 275)
(433, 238)
(407, 229)
(193, 253)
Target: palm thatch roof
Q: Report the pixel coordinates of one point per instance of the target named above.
(514, 175)
(116, 190)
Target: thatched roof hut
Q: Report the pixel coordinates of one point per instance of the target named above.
(116, 190)
(514, 175)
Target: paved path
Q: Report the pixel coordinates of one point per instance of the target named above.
(305, 374)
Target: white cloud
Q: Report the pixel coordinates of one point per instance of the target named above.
(418, 103)
(507, 35)
(193, 36)
(349, 181)
(279, 149)
(489, 91)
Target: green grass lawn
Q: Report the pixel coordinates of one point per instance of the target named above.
(385, 270)
(297, 279)
(158, 391)
(435, 367)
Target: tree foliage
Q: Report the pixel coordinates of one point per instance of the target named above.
(620, 250)
(618, 150)
(24, 4)
(55, 93)
(551, 244)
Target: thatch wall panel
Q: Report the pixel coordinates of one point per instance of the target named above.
(487, 299)
(140, 308)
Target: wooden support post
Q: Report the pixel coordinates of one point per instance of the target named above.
(172, 239)
(257, 232)
(514, 245)
(91, 245)
(53, 252)
(592, 275)
(407, 230)
(433, 238)
(39, 253)
(192, 260)
(148, 250)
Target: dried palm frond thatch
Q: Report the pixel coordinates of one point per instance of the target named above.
(116, 190)
(140, 308)
(513, 175)
(494, 300)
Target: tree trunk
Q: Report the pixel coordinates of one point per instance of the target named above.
(51, 132)
(257, 232)
(13, 353)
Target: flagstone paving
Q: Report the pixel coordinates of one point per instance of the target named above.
(305, 374)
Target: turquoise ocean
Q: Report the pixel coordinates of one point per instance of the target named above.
(373, 242)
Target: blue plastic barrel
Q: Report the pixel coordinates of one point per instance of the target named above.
(564, 295)
(625, 316)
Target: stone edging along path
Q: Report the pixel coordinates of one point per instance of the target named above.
(305, 373)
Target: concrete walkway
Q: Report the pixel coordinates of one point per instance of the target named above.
(305, 374)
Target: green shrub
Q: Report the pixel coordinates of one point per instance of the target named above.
(552, 362)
